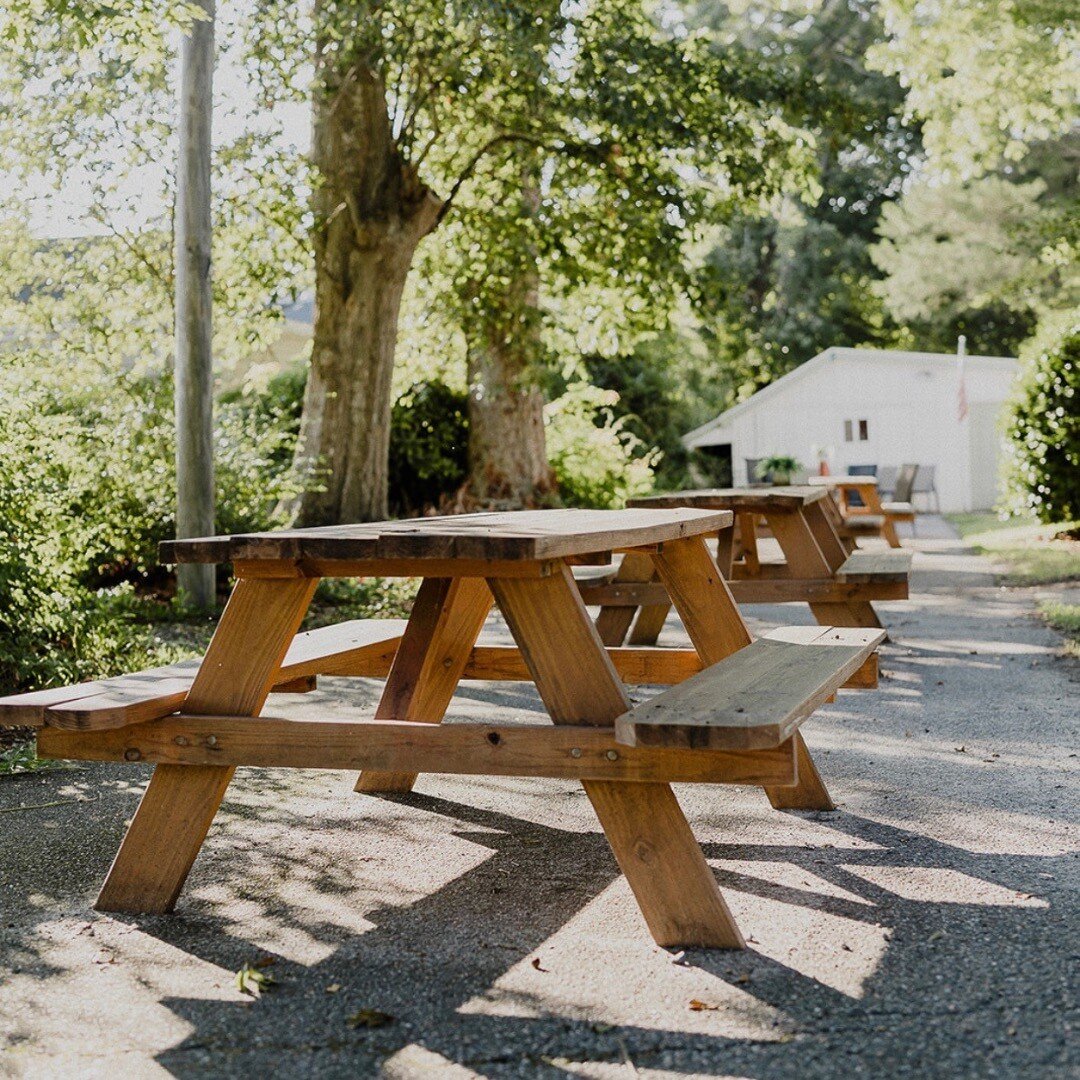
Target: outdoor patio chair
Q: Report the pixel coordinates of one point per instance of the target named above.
(900, 506)
(752, 475)
(925, 484)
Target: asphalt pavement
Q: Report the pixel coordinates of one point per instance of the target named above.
(480, 928)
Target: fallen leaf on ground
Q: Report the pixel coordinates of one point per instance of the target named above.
(369, 1018)
(333, 988)
(536, 964)
(251, 981)
(703, 1006)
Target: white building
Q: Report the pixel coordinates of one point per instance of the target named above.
(876, 407)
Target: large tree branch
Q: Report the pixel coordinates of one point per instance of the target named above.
(557, 146)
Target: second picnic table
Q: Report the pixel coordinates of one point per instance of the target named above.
(872, 516)
(733, 717)
(821, 566)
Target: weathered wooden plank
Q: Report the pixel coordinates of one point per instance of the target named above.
(146, 695)
(583, 753)
(755, 698)
(529, 535)
(753, 500)
(875, 566)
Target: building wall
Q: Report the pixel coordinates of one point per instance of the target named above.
(909, 401)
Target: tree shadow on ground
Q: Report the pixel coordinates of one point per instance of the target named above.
(917, 1011)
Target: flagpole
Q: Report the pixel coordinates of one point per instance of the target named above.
(961, 384)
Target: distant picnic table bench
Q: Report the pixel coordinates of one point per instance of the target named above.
(821, 566)
(731, 715)
(873, 517)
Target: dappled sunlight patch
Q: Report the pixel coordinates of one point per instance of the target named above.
(604, 946)
(942, 885)
(104, 975)
(963, 826)
(414, 1059)
(811, 926)
(970, 649)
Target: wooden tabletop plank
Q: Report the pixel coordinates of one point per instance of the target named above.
(787, 499)
(844, 481)
(522, 535)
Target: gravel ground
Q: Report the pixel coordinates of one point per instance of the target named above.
(928, 928)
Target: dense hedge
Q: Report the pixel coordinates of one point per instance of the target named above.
(1044, 433)
(87, 489)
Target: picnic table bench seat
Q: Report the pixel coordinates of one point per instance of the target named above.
(899, 511)
(757, 697)
(863, 524)
(880, 566)
(157, 692)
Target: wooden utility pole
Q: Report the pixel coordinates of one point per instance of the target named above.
(194, 363)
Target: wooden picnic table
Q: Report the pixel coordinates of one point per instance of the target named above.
(733, 716)
(821, 566)
(873, 514)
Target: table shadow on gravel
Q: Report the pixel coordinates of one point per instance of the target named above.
(937, 953)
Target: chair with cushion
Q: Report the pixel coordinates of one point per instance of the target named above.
(925, 484)
(900, 506)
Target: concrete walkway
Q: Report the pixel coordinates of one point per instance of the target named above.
(480, 927)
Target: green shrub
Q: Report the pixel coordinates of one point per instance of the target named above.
(1044, 433)
(87, 490)
(596, 465)
(429, 446)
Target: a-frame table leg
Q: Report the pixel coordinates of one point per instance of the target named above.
(649, 834)
(613, 622)
(446, 620)
(716, 627)
(812, 556)
(256, 628)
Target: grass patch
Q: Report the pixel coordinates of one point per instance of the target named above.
(1066, 618)
(1033, 554)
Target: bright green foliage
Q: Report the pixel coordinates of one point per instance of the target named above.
(1044, 433)
(87, 491)
(599, 466)
(964, 258)
(987, 77)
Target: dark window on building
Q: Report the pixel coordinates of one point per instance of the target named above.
(864, 430)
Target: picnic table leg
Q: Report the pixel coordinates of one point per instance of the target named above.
(644, 824)
(446, 620)
(809, 553)
(613, 622)
(872, 501)
(174, 815)
(810, 793)
(716, 627)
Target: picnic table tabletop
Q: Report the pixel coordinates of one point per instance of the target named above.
(844, 480)
(529, 535)
(789, 498)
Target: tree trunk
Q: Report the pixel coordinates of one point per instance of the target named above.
(508, 465)
(371, 211)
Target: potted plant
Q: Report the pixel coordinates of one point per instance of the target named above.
(779, 467)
